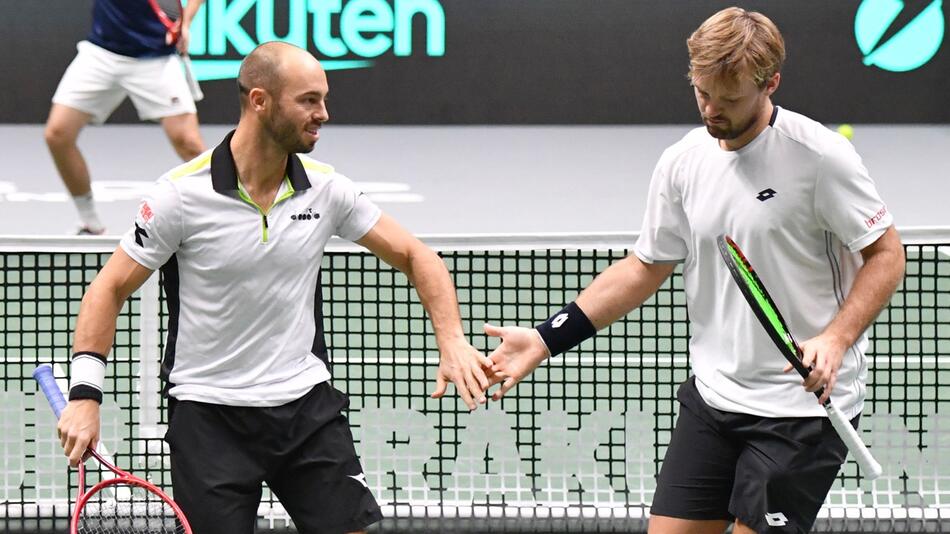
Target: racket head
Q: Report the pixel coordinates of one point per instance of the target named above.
(767, 312)
(169, 14)
(760, 302)
(127, 505)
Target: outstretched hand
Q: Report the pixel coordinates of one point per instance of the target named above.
(467, 368)
(521, 352)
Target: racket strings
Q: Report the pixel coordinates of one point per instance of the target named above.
(128, 509)
(171, 8)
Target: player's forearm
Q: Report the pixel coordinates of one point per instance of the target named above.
(95, 326)
(620, 288)
(873, 287)
(430, 277)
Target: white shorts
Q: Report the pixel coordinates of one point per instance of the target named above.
(98, 80)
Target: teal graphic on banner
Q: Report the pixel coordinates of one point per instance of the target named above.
(343, 34)
(899, 36)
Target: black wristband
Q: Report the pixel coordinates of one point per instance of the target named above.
(95, 355)
(81, 392)
(566, 329)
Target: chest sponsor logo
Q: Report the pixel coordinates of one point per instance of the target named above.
(308, 215)
(766, 194)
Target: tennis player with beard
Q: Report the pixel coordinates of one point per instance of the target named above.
(751, 446)
(239, 234)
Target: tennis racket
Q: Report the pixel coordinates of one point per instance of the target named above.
(120, 503)
(765, 310)
(169, 13)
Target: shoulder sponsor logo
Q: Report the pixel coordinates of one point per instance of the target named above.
(308, 215)
(876, 218)
(776, 519)
(766, 194)
(145, 213)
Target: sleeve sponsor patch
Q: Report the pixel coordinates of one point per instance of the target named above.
(145, 212)
(876, 218)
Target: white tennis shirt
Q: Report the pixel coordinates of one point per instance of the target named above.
(800, 204)
(245, 324)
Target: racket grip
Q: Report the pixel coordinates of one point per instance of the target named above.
(870, 469)
(196, 94)
(44, 376)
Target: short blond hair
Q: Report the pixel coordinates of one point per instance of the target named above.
(734, 43)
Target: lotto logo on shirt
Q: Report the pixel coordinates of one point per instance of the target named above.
(145, 212)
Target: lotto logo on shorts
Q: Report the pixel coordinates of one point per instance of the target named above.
(776, 519)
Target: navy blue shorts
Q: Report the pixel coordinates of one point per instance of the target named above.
(771, 473)
(303, 450)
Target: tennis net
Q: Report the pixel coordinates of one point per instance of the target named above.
(573, 449)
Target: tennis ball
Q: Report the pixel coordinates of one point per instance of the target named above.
(847, 131)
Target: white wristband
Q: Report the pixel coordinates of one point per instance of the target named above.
(88, 374)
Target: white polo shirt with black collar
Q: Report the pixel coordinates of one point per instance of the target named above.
(243, 286)
(800, 203)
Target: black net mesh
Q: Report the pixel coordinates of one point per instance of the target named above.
(575, 448)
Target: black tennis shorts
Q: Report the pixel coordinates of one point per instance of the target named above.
(220, 456)
(771, 473)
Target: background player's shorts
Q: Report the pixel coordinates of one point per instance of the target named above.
(98, 80)
(771, 473)
(220, 456)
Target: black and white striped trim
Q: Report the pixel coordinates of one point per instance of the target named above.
(87, 372)
(860, 364)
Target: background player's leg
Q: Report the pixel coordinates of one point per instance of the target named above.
(62, 131)
(182, 131)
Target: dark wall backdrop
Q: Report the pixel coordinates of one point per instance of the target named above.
(529, 62)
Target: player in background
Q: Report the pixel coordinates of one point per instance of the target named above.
(128, 53)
